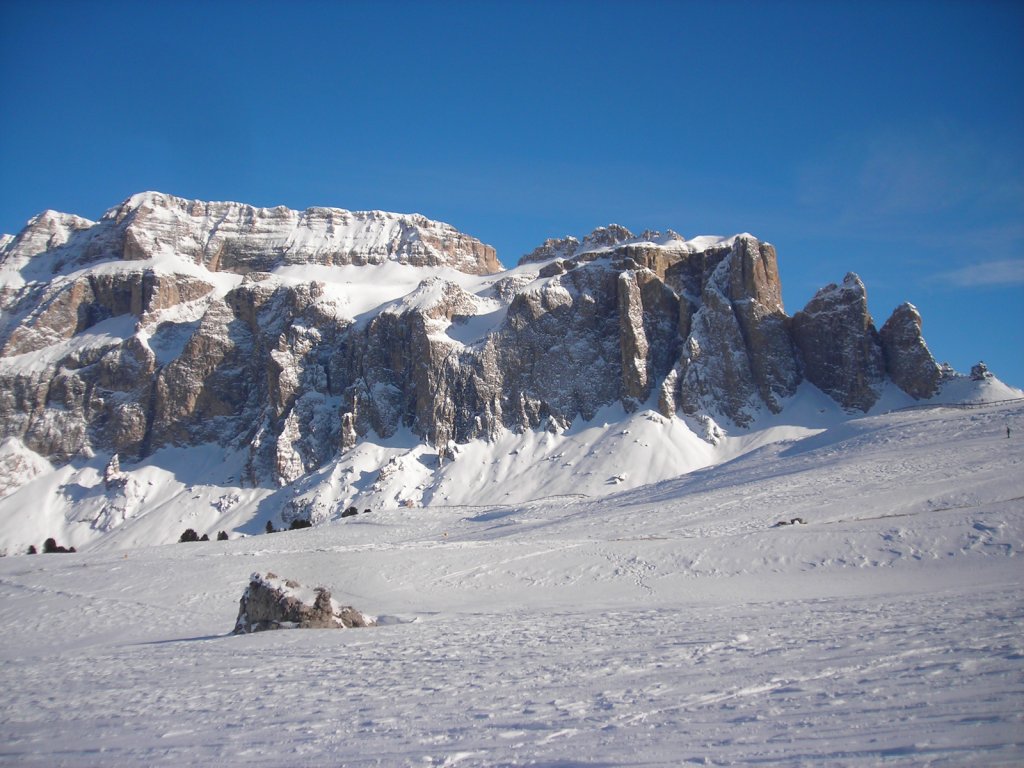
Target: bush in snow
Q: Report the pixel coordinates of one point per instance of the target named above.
(189, 535)
(270, 527)
(297, 524)
(350, 512)
(50, 546)
(32, 549)
(222, 536)
(205, 537)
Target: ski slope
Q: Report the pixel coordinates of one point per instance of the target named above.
(671, 623)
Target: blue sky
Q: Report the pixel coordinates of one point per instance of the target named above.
(882, 138)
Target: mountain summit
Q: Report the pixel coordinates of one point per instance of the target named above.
(232, 237)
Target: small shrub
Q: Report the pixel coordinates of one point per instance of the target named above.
(297, 524)
(50, 546)
(270, 527)
(32, 549)
(222, 536)
(205, 537)
(350, 512)
(366, 511)
(189, 535)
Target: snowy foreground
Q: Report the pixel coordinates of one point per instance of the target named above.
(669, 624)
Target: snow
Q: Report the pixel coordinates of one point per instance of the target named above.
(670, 623)
(704, 242)
(962, 389)
(669, 241)
(19, 464)
(474, 328)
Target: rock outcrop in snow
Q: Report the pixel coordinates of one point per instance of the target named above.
(270, 602)
(293, 335)
(841, 350)
(907, 359)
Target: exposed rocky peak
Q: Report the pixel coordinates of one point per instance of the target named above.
(736, 356)
(755, 292)
(839, 345)
(234, 237)
(52, 243)
(907, 359)
(47, 231)
(606, 237)
(754, 273)
(560, 248)
(239, 238)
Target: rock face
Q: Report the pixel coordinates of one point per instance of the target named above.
(841, 349)
(177, 322)
(738, 350)
(907, 359)
(270, 602)
(232, 237)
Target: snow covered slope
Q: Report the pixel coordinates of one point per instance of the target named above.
(671, 623)
(203, 487)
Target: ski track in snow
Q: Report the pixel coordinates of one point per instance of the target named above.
(671, 624)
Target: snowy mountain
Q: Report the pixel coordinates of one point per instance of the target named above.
(213, 365)
(672, 624)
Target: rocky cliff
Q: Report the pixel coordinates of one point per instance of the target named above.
(294, 335)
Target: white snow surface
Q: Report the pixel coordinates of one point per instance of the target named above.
(668, 624)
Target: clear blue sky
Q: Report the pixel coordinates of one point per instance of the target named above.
(883, 138)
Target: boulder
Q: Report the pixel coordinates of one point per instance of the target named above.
(270, 602)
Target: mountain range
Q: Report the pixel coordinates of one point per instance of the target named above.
(222, 364)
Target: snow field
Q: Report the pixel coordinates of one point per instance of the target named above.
(668, 624)
(833, 682)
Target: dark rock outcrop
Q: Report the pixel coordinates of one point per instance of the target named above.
(270, 602)
(840, 348)
(907, 360)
